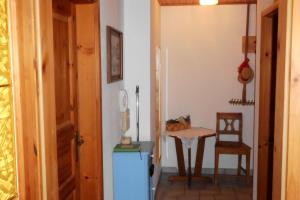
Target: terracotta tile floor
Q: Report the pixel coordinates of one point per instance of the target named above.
(229, 188)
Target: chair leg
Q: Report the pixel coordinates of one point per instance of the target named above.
(216, 166)
(239, 164)
(248, 166)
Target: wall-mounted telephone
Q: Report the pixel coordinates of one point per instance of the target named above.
(123, 100)
(125, 114)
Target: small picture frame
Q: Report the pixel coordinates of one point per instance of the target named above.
(114, 55)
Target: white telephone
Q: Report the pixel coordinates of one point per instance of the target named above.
(125, 114)
(123, 100)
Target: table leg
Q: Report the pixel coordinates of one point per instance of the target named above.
(180, 162)
(190, 168)
(199, 157)
(199, 161)
(180, 157)
(182, 176)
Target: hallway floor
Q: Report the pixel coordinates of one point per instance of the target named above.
(229, 188)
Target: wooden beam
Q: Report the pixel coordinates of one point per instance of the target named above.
(196, 2)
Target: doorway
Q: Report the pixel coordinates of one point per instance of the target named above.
(77, 94)
(268, 88)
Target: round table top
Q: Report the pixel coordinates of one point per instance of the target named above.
(192, 133)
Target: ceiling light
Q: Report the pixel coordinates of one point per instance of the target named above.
(208, 2)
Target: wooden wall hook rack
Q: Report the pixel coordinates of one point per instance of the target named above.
(241, 102)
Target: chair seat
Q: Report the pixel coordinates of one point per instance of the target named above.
(227, 147)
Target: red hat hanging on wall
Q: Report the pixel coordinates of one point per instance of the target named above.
(246, 73)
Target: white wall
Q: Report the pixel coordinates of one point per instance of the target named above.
(137, 64)
(202, 51)
(111, 14)
(141, 38)
(133, 18)
(261, 5)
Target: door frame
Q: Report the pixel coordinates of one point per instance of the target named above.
(33, 80)
(293, 166)
(281, 97)
(34, 99)
(265, 90)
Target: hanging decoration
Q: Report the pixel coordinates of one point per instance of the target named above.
(245, 72)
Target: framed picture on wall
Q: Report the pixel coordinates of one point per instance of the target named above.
(114, 55)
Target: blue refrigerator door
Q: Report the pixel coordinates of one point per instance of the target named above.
(131, 176)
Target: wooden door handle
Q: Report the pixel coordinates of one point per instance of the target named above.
(78, 142)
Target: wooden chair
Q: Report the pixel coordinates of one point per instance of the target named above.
(231, 147)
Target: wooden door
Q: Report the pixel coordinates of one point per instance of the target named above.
(66, 106)
(39, 81)
(268, 79)
(89, 100)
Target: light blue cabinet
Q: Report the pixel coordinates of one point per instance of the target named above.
(131, 171)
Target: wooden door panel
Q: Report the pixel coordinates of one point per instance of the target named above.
(71, 196)
(89, 188)
(65, 153)
(66, 114)
(62, 76)
(89, 168)
(62, 7)
(68, 190)
(89, 105)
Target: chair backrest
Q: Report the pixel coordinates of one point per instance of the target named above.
(229, 129)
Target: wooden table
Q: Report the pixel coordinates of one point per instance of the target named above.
(190, 134)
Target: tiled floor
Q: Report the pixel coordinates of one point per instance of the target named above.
(229, 188)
